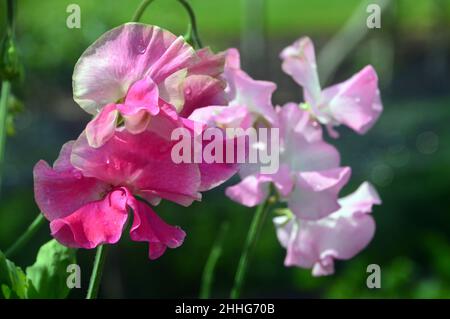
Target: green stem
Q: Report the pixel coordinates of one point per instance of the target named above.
(4, 98)
(250, 243)
(193, 24)
(140, 10)
(216, 252)
(197, 42)
(11, 6)
(29, 233)
(97, 271)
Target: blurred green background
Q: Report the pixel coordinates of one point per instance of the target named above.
(406, 155)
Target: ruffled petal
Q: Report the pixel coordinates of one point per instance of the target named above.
(242, 90)
(61, 190)
(201, 91)
(223, 116)
(124, 55)
(302, 145)
(299, 61)
(283, 180)
(213, 171)
(149, 227)
(95, 223)
(251, 191)
(142, 162)
(171, 90)
(293, 119)
(340, 235)
(208, 63)
(142, 95)
(233, 59)
(315, 194)
(356, 102)
(102, 127)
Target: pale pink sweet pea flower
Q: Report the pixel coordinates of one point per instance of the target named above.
(309, 177)
(340, 235)
(355, 102)
(143, 72)
(88, 192)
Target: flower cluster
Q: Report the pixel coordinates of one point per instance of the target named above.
(139, 82)
(318, 226)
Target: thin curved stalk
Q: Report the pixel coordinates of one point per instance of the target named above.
(195, 37)
(192, 29)
(140, 10)
(250, 243)
(97, 272)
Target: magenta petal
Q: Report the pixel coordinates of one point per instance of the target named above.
(355, 102)
(102, 127)
(208, 63)
(141, 162)
(201, 91)
(143, 94)
(315, 194)
(122, 56)
(149, 227)
(251, 191)
(164, 122)
(61, 190)
(96, 223)
(215, 174)
(204, 85)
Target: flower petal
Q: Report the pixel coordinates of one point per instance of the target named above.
(315, 193)
(233, 59)
(355, 102)
(141, 162)
(122, 56)
(223, 116)
(143, 94)
(299, 61)
(102, 127)
(216, 171)
(251, 191)
(95, 223)
(201, 91)
(340, 235)
(299, 132)
(208, 63)
(244, 91)
(149, 227)
(61, 190)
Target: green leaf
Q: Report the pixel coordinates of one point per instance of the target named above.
(48, 275)
(13, 282)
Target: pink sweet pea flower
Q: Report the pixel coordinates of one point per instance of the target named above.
(137, 72)
(309, 177)
(355, 103)
(340, 235)
(87, 194)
